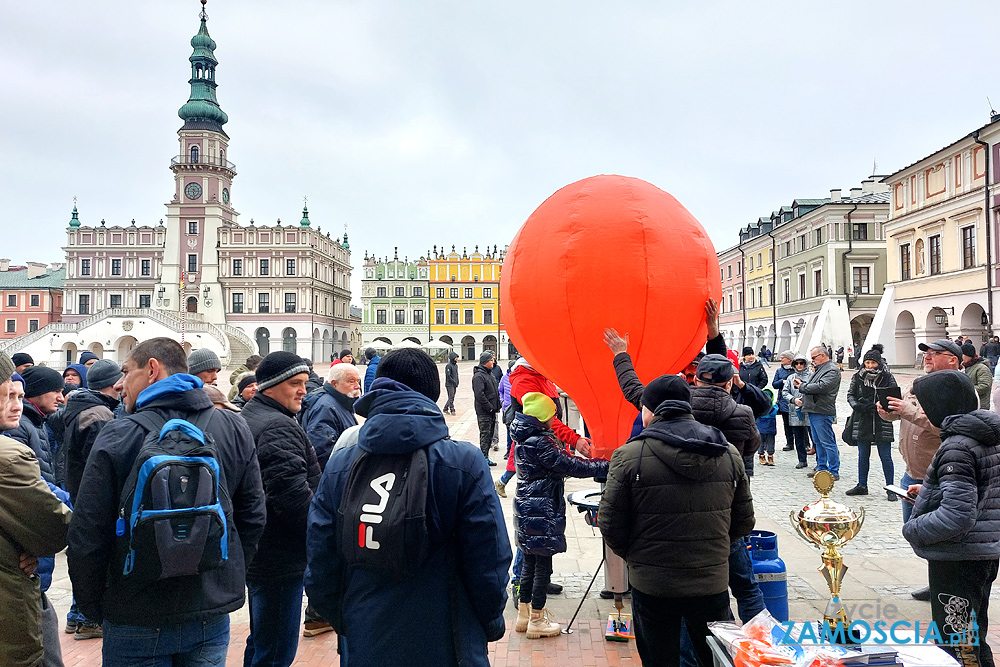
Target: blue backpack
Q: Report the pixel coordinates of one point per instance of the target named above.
(175, 512)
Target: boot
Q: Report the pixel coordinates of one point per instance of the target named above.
(770, 459)
(763, 459)
(857, 491)
(540, 625)
(523, 615)
(501, 488)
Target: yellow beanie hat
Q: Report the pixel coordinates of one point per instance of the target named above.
(539, 406)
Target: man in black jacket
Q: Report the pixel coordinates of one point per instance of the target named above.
(486, 391)
(178, 617)
(290, 473)
(676, 499)
(451, 382)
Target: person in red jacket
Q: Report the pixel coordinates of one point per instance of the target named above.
(523, 380)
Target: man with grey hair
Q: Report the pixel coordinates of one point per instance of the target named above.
(329, 412)
(819, 401)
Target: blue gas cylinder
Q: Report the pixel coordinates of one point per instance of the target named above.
(769, 571)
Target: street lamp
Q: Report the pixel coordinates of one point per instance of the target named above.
(797, 328)
(940, 317)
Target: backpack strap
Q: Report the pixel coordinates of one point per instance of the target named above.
(153, 421)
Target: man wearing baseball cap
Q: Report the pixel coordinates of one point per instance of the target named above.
(919, 439)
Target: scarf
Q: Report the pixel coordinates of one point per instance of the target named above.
(870, 377)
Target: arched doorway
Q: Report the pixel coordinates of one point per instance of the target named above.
(785, 340)
(327, 346)
(288, 341)
(125, 345)
(97, 349)
(263, 338)
(972, 323)
(446, 339)
(934, 330)
(906, 340)
(512, 352)
(414, 340)
(469, 348)
(69, 353)
(381, 342)
(192, 304)
(859, 329)
(490, 343)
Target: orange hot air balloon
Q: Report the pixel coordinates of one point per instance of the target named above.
(608, 251)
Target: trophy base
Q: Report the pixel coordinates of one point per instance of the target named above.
(838, 626)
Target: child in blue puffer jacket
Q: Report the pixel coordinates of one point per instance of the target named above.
(767, 426)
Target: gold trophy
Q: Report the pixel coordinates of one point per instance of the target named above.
(829, 525)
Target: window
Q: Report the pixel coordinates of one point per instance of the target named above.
(192, 227)
(116, 300)
(237, 302)
(439, 292)
(84, 267)
(12, 301)
(418, 317)
(861, 279)
(730, 303)
(32, 325)
(453, 316)
(11, 326)
(968, 247)
(802, 285)
(400, 291)
(34, 301)
(739, 267)
(740, 299)
(439, 316)
(380, 291)
(468, 292)
(753, 298)
(787, 286)
(788, 248)
(859, 231)
(418, 291)
(729, 270)
(770, 293)
(237, 267)
(468, 316)
(453, 293)
(144, 267)
(144, 300)
(802, 242)
(934, 254)
(289, 302)
(750, 260)
(760, 295)
(487, 316)
(819, 237)
(400, 317)
(818, 281)
(289, 267)
(770, 255)
(379, 317)
(263, 302)
(192, 263)
(265, 267)
(116, 267)
(84, 307)
(759, 262)
(487, 292)
(904, 261)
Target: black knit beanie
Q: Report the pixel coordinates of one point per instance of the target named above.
(873, 355)
(40, 380)
(665, 388)
(278, 367)
(245, 381)
(945, 393)
(414, 368)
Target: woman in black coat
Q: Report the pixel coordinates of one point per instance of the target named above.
(867, 428)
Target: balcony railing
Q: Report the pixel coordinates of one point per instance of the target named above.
(198, 160)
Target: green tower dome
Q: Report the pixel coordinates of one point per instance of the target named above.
(202, 110)
(304, 222)
(74, 222)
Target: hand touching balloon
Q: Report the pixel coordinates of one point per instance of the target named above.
(616, 343)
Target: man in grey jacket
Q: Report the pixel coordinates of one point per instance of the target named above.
(819, 401)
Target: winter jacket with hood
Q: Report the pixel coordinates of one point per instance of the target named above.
(451, 371)
(81, 371)
(694, 497)
(290, 473)
(712, 405)
(86, 413)
(754, 373)
(34, 521)
(96, 555)
(523, 380)
(485, 390)
(504, 390)
(796, 416)
(866, 425)
(780, 375)
(957, 514)
(539, 503)
(919, 439)
(453, 605)
(981, 375)
(330, 414)
(371, 371)
(819, 393)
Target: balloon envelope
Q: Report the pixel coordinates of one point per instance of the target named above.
(608, 251)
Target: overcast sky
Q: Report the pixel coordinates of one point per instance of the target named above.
(418, 122)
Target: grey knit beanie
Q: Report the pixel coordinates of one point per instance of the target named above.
(203, 359)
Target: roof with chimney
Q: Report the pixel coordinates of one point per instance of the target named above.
(16, 277)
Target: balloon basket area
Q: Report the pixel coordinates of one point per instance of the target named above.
(619, 628)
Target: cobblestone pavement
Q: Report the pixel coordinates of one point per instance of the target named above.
(883, 568)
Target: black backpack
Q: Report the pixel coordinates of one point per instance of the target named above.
(175, 510)
(383, 513)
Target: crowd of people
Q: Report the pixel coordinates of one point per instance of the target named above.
(179, 503)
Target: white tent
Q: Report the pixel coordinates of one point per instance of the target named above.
(406, 344)
(436, 345)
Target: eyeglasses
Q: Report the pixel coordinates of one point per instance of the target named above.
(800, 362)
(816, 355)
(937, 353)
